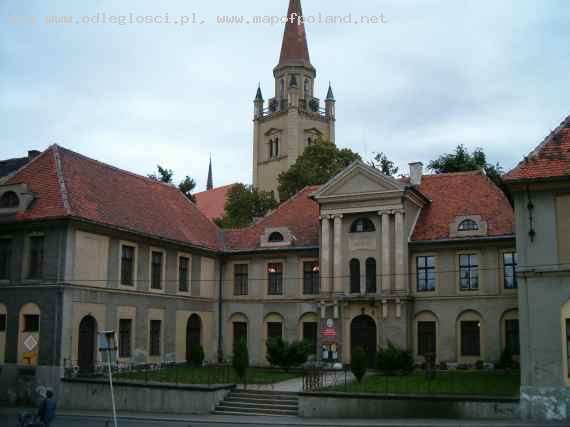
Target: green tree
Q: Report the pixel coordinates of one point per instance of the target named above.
(244, 203)
(286, 355)
(164, 175)
(359, 363)
(240, 361)
(318, 164)
(187, 186)
(383, 164)
(393, 359)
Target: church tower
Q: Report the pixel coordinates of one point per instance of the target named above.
(294, 117)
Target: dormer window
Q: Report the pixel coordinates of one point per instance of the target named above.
(468, 225)
(275, 237)
(9, 200)
(362, 225)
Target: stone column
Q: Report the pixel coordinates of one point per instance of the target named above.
(325, 254)
(400, 251)
(386, 255)
(337, 268)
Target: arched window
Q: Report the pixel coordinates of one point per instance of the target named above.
(29, 335)
(275, 237)
(468, 225)
(282, 88)
(354, 276)
(306, 88)
(370, 276)
(362, 225)
(9, 200)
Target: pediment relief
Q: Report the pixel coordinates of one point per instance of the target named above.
(359, 179)
(273, 131)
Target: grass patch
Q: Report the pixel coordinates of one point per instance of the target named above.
(444, 383)
(208, 375)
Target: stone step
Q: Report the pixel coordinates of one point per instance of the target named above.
(238, 404)
(255, 411)
(266, 395)
(261, 400)
(223, 412)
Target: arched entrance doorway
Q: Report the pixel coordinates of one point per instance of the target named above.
(87, 344)
(193, 335)
(363, 334)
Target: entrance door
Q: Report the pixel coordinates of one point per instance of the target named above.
(193, 332)
(87, 344)
(363, 334)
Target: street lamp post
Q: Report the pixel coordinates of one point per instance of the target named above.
(108, 345)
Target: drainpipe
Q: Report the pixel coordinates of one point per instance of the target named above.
(220, 316)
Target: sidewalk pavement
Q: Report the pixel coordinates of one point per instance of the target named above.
(286, 421)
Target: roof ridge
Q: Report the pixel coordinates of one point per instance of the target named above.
(116, 168)
(61, 180)
(470, 172)
(221, 187)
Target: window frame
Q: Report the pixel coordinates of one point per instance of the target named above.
(35, 262)
(4, 198)
(133, 273)
(467, 225)
(7, 261)
(510, 266)
(129, 350)
(270, 324)
(311, 277)
(180, 256)
(477, 348)
(275, 283)
(151, 277)
(3, 322)
(236, 325)
(275, 237)
(241, 279)
(368, 225)
(420, 343)
(355, 273)
(371, 278)
(509, 339)
(153, 345)
(426, 269)
(314, 343)
(26, 327)
(470, 268)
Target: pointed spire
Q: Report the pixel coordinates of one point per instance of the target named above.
(210, 183)
(330, 95)
(259, 95)
(294, 50)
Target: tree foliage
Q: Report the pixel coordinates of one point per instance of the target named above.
(383, 164)
(393, 359)
(186, 186)
(244, 203)
(286, 355)
(197, 355)
(359, 363)
(318, 164)
(240, 360)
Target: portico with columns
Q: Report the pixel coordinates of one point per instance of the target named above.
(366, 221)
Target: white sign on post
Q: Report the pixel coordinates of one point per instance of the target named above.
(108, 348)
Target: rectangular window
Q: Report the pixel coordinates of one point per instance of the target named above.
(240, 332)
(156, 270)
(31, 323)
(426, 338)
(470, 338)
(274, 330)
(311, 278)
(512, 336)
(310, 335)
(509, 270)
(425, 271)
(155, 329)
(5, 256)
(127, 265)
(183, 273)
(125, 333)
(36, 260)
(2, 323)
(275, 278)
(240, 279)
(468, 272)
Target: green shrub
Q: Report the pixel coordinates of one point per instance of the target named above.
(240, 361)
(286, 355)
(506, 361)
(392, 360)
(479, 365)
(359, 363)
(197, 355)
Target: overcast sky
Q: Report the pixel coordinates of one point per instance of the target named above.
(491, 74)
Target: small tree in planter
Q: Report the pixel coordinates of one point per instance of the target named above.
(240, 361)
(393, 360)
(359, 363)
(286, 355)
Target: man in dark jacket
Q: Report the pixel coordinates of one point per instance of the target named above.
(47, 409)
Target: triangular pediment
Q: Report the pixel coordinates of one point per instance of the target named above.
(359, 179)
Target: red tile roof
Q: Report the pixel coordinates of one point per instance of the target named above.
(294, 49)
(213, 202)
(68, 184)
(300, 214)
(551, 159)
(460, 194)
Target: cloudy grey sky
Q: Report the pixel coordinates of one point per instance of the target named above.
(438, 73)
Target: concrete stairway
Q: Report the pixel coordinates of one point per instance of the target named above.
(246, 402)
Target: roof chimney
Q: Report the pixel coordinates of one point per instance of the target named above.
(32, 154)
(416, 172)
